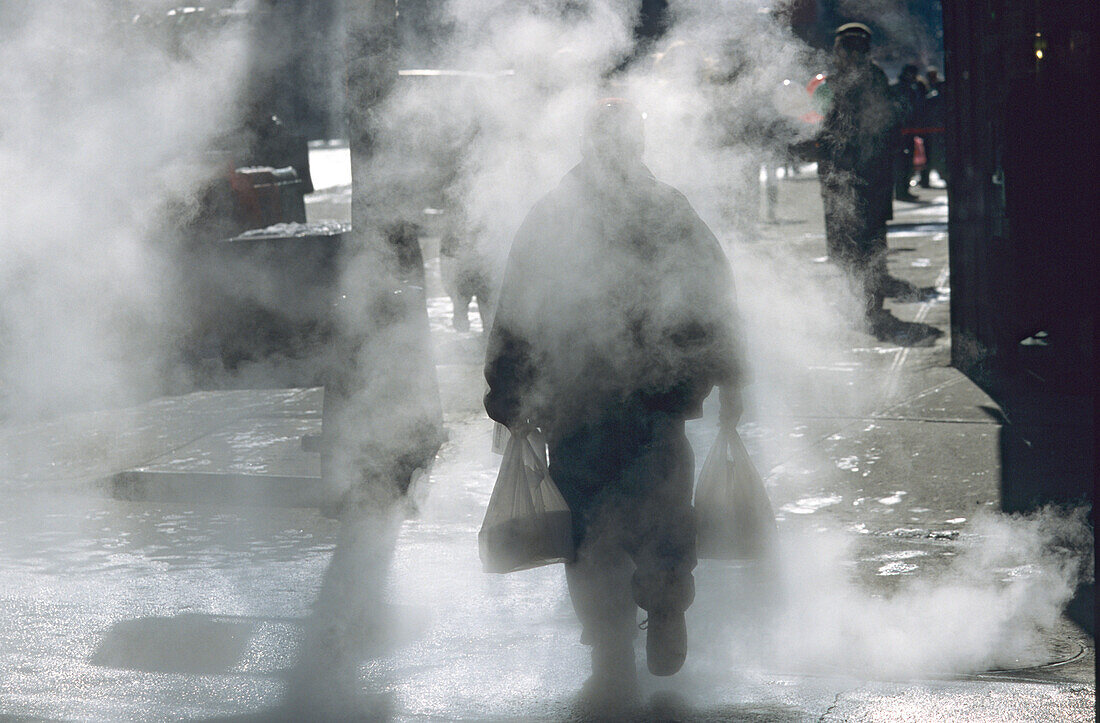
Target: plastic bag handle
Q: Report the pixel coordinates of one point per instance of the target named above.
(533, 459)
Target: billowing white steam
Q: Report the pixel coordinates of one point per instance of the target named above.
(992, 606)
(99, 129)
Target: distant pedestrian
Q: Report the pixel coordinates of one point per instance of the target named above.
(857, 144)
(935, 118)
(909, 94)
(466, 272)
(615, 320)
(749, 123)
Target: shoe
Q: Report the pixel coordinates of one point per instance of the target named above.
(666, 643)
(612, 690)
(601, 700)
(880, 323)
(886, 327)
(914, 294)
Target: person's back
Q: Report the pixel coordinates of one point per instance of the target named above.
(619, 281)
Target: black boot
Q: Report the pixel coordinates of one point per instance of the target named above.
(666, 642)
(613, 686)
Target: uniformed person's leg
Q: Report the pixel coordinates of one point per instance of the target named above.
(839, 199)
(771, 188)
(874, 275)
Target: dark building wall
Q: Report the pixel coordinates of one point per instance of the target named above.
(1022, 158)
(1022, 154)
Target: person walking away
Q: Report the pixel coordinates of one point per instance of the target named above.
(615, 320)
(855, 167)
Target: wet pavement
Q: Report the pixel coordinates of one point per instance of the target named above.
(167, 561)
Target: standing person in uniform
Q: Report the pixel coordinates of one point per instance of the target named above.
(856, 167)
(614, 321)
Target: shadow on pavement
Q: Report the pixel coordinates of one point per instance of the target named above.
(191, 644)
(906, 292)
(921, 226)
(888, 328)
(669, 706)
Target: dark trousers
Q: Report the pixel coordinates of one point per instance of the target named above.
(464, 278)
(935, 151)
(903, 169)
(855, 236)
(629, 486)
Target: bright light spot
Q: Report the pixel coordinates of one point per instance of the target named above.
(896, 568)
(809, 505)
(892, 499)
(786, 81)
(1039, 54)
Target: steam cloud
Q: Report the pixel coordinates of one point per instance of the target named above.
(98, 132)
(101, 133)
(988, 609)
(518, 134)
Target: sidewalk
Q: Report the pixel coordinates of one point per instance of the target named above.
(159, 562)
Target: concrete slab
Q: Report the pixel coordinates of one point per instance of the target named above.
(98, 444)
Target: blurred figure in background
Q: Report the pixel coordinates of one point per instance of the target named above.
(746, 120)
(909, 93)
(466, 272)
(935, 116)
(615, 321)
(857, 146)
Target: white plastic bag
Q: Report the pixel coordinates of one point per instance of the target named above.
(527, 522)
(734, 518)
